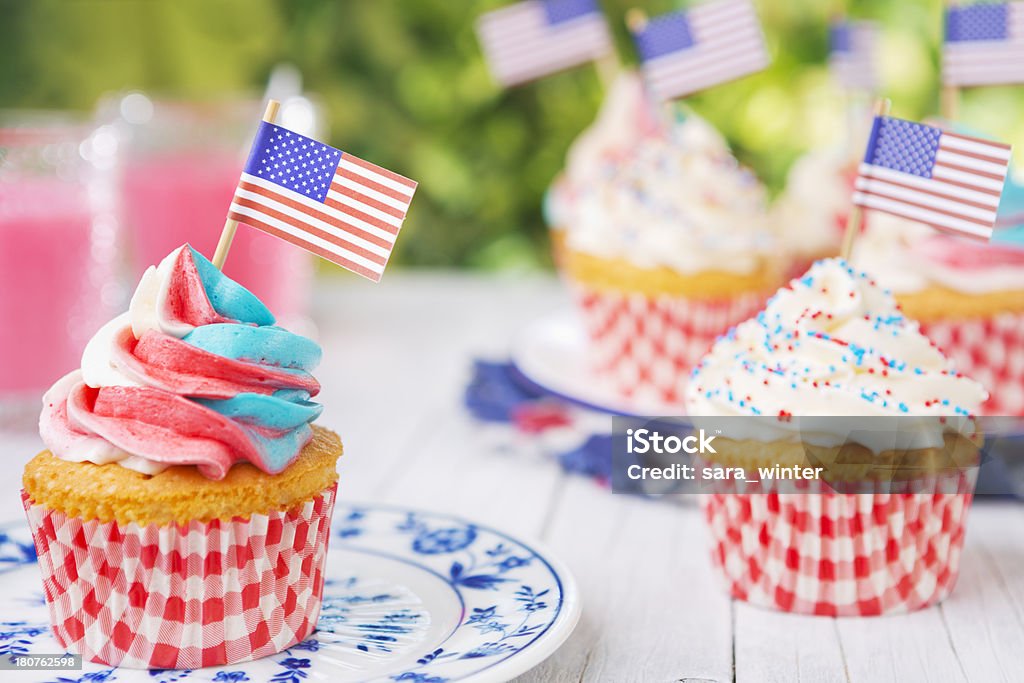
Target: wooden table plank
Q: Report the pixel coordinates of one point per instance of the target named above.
(452, 474)
(771, 646)
(649, 610)
(985, 614)
(398, 355)
(911, 647)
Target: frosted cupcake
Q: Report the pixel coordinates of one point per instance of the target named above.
(181, 511)
(834, 344)
(968, 297)
(667, 244)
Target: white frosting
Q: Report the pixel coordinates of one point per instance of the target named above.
(626, 117)
(657, 197)
(98, 366)
(810, 214)
(148, 307)
(832, 344)
(806, 216)
(147, 311)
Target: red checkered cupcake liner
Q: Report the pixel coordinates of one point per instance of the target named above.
(839, 554)
(989, 350)
(646, 346)
(183, 596)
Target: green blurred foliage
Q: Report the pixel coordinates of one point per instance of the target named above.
(404, 85)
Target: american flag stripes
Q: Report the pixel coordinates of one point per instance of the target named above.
(852, 54)
(950, 181)
(329, 202)
(534, 38)
(984, 45)
(683, 52)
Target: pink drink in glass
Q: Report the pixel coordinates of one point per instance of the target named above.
(57, 283)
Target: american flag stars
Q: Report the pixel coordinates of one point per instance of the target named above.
(300, 162)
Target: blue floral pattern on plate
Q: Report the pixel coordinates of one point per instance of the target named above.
(408, 596)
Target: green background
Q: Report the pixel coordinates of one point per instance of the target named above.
(404, 85)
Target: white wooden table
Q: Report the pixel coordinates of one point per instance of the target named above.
(397, 356)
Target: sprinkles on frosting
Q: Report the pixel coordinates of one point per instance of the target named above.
(827, 342)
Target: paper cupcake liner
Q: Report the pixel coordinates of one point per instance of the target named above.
(839, 554)
(183, 596)
(989, 350)
(646, 346)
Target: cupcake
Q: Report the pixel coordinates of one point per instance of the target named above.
(834, 344)
(967, 296)
(181, 509)
(667, 244)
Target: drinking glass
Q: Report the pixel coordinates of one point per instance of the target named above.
(58, 252)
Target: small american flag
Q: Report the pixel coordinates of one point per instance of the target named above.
(683, 52)
(326, 201)
(950, 181)
(852, 55)
(538, 37)
(984, 45)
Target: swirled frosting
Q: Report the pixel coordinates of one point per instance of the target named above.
(833, 343)
(912, 257)
(195, 373)
(660, 193)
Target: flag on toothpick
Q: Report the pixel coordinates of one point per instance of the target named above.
(950, 181)
(326, 201)
(852, 54)
(531, 39)
(984, 45)
(683, 52)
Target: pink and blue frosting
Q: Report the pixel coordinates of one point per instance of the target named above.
(195, 373)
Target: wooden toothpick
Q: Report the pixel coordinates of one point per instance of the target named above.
(608, 68)
(949, 102)
(855, 220)
(636, 20)
(227, 235)
(949, 96)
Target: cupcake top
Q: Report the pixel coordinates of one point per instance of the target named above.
(195, 373)
(832, 343)
(913, 257)
(660, 194)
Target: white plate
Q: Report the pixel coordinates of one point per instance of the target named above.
(408, 596)
(551, 355)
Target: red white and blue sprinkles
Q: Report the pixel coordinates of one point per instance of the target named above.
(832, 342)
